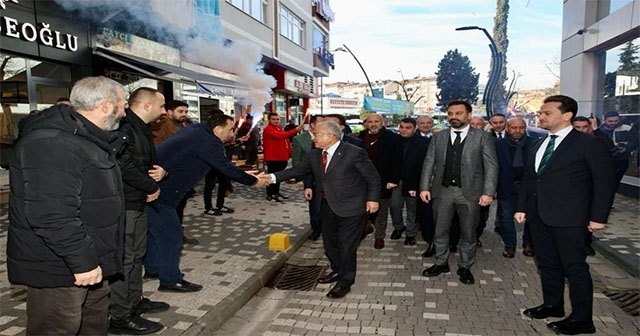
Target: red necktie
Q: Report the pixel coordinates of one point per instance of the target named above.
(325, 156)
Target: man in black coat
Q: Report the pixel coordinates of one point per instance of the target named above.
(347, 187)
(140, 175)
(67, 211)
(414, 149)
(382, 146)
(568, 189)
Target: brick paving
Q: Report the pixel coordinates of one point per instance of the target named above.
(390, 296)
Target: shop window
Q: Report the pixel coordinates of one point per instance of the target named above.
(620, 92)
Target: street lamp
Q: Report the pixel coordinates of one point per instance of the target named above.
(346, 49)
(496, 68)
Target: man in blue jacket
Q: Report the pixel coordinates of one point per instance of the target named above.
(186, 156)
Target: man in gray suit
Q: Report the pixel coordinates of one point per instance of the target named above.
(460, 174)
(347, 188)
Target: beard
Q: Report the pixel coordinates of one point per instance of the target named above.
(112, 120)
(456, 123)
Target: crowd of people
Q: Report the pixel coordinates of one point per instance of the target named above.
(99, 185)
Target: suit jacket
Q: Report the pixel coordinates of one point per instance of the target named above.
(479, 170)
(349, 182)
(413, 154)
(388, 159)
(577, 185)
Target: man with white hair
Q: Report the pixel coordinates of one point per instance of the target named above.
(67, 208)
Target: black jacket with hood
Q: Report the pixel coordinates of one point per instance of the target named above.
(66, 206)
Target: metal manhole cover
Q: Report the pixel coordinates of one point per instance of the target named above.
(294, 277)
(628, 300)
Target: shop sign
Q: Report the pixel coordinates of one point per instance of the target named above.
(133, 45)
(32, 32)
(383, 105)
(297, 83)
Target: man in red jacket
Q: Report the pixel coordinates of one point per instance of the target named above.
(277, 151)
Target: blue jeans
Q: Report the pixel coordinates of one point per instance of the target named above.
(506, 209)
(164, 244)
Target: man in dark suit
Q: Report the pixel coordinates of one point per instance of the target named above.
(347, 188)
(512, 154)
(568, 189)
(459, 174)
(382, 146)
(498, 124)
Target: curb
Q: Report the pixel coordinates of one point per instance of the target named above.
(616, 257)
(229, 306)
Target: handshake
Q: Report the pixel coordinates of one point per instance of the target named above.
(263, 179)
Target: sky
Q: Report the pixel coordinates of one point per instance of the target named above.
(412, 36)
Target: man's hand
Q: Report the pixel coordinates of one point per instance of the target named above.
(425, 196)
(520, 217)
(594, 123)
(157, 173)
(244, 138)
(485, 200)
(88, 278)
(372, 207)
(154, 196)
(391, 185)
(300, 127)
(308, 193)
(595, 226)
(412, 193)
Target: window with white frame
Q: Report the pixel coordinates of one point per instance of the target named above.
(319, 41)
(291, 26)
(256, 8)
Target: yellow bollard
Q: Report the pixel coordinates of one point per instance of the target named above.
(279, 242)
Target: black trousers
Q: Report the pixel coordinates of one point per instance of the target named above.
(341, 238)
(424, 218)
(561, 253)
(273, 167)
(224, 184)
(250, 154)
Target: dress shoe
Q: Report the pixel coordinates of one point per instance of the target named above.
(542, 311)
(378, 244)
(282, 196)
(189, 240)
(328, 278)
(465, 276)
(410, 240)
(274, 198)
(570, 326)
(453, 248)
(133, 325)
(315, 235)
(590, 251)
(430, 252)
(146, 306)
(368, 229)
(436, 270)
(509, 252)
(527, 250)
(479, 243)
(183, 286)
(338, 291)
(396, 234)
(150, 275)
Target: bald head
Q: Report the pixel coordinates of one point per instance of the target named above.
(374, 123)
(477, 122)
(516, 128)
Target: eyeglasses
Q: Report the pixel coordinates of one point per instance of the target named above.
(319, 134)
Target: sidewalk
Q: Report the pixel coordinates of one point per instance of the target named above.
(233, 263)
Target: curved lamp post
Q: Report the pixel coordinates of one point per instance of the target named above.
(496, 68)
(346, 49)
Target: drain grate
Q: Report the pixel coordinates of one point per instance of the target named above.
(628, 301)
(294, 277)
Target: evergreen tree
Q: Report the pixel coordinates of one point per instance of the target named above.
(502, 42)
(629, 60)
(457, 79)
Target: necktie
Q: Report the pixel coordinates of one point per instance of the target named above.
(499, 135)
(325, 156)
(456, 142)
(547, 153)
